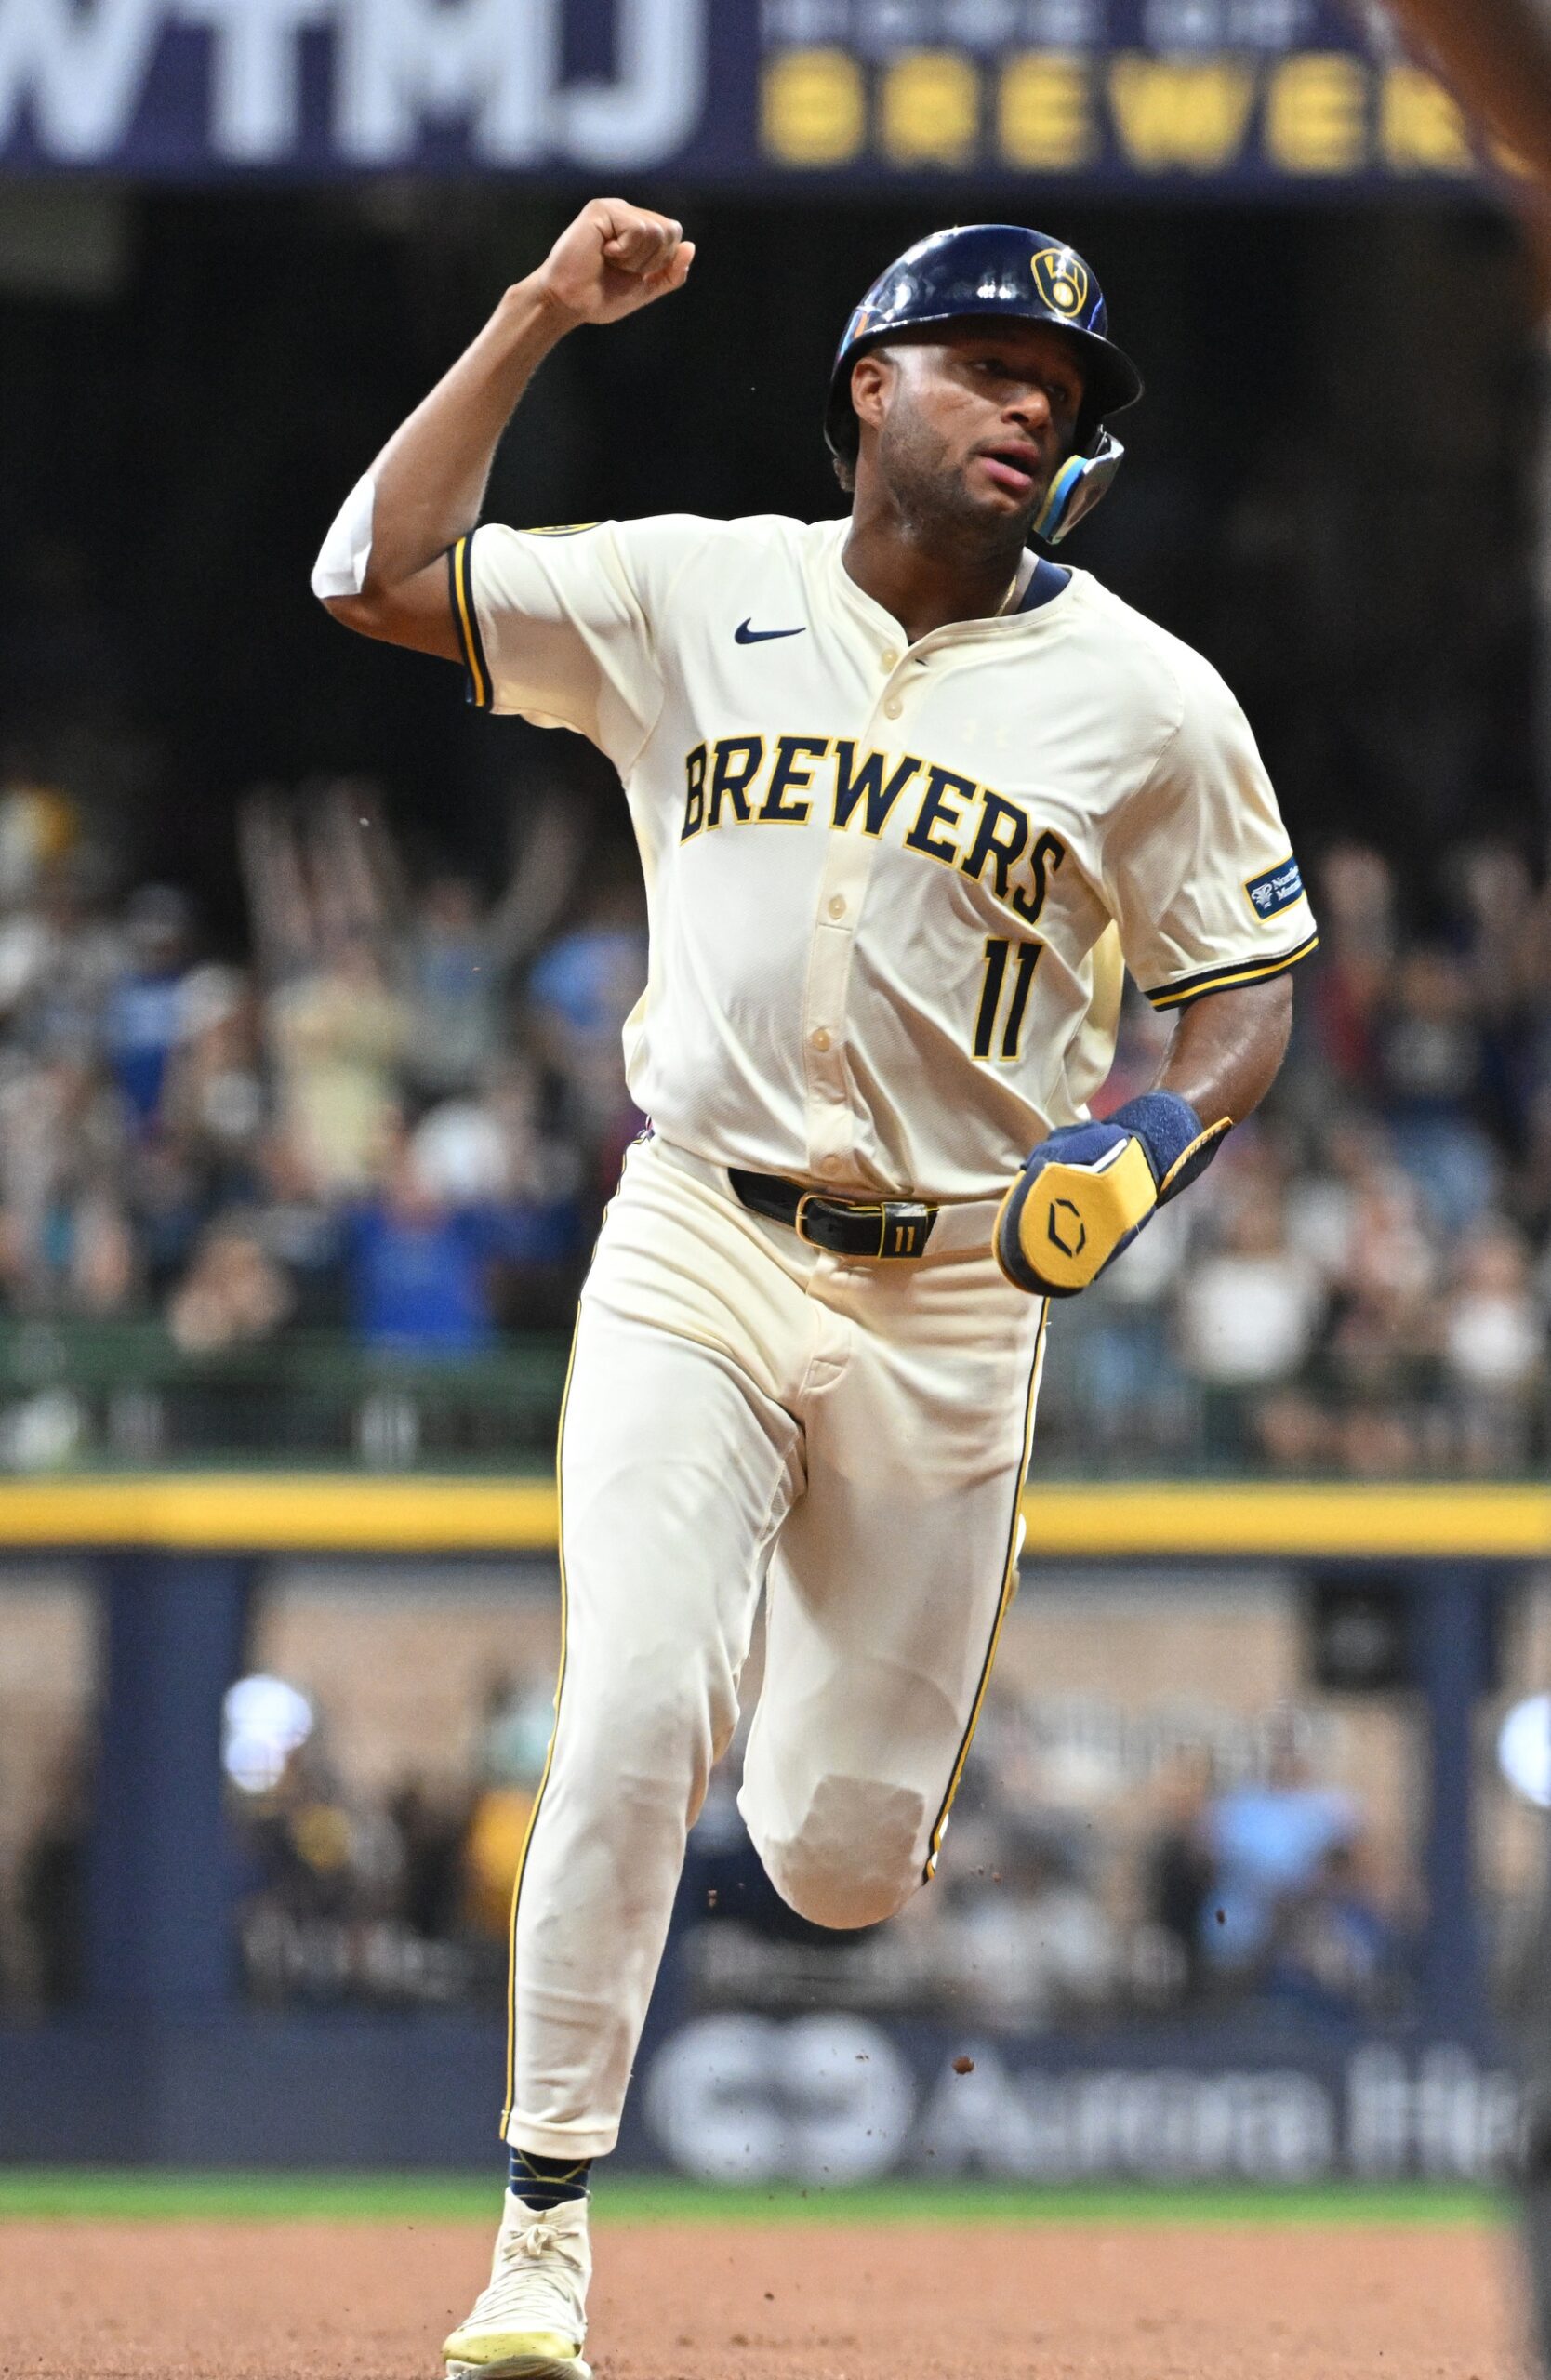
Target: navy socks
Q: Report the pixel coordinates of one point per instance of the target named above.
(544, 2182)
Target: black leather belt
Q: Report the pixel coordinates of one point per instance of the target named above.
(892, 1229)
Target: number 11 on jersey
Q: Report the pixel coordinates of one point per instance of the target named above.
(991, 997)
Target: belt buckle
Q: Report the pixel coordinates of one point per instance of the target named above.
(798, 1223)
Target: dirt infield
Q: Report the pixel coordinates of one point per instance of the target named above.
(967, 2301)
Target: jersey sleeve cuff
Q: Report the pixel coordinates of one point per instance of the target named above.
(460, 585)
(1229, 974)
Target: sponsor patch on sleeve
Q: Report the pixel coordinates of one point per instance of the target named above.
(1277, 890)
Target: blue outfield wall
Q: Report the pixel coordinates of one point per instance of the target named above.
(823, 2099)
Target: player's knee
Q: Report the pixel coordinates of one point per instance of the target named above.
(841, 1901)
(856, 1857)
(666, 1721)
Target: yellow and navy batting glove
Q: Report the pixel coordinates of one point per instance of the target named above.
(1086, 1192)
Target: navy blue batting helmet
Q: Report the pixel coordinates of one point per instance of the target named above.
(992, 271)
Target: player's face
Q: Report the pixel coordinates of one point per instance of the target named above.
(974, 421)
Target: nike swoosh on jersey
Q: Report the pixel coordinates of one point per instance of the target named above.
(744, 634)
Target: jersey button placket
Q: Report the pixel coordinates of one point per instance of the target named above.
(830, 1123)
(847, 869)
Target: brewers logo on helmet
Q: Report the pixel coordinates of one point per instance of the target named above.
(1061, 279)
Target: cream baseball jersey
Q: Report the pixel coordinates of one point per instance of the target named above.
(884, 881)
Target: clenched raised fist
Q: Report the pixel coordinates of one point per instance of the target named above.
(612, 260)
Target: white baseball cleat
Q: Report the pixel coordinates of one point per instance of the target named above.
(530, 2321)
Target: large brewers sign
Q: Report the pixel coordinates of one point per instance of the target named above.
(1105, 93)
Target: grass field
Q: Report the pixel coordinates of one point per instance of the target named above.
(45, 2194)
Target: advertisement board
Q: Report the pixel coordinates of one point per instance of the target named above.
(1270, 96)
(830, 2100)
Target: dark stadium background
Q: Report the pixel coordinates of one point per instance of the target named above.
(1330, 485)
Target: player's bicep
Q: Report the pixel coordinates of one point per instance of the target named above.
(419, 613)
(551, 626)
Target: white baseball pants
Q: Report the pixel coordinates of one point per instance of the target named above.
(745, 1410)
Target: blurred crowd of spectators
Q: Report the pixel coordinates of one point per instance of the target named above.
(1078, 1890)
(393, 1898)
(1075, 1892)
(1220, 1882)
(400, 1117)
(1362, 1282)
(343, 1893)
(1072, 1896)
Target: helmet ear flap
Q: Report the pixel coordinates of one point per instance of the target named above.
(1083, 482)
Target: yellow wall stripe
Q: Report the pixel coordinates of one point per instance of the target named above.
(1157, 1520)
(276, 1513)
(282, 1513)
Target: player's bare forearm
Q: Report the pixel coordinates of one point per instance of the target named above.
(1496, 55)
(425, 487)
(430, 478)
(1227, 1049)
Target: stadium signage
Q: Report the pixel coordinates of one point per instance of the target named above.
(834, 2098)
(184, 84)
(799, 93)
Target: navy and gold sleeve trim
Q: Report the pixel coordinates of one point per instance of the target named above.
(1236, 972)
(460, 581)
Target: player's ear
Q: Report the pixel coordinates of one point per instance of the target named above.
(870, 375)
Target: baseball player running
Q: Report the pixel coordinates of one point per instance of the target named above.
(907, 798)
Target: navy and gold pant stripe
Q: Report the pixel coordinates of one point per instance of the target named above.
(510, 2100)
(460, 586)
(1004, 1604)
(1237, 970)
